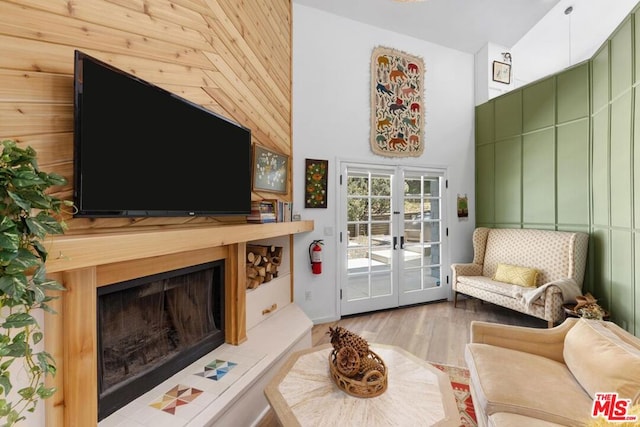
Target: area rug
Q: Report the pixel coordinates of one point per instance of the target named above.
(460, 383)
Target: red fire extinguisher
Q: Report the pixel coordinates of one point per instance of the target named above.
(315, 256)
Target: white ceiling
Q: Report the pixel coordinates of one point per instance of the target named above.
(465, 25)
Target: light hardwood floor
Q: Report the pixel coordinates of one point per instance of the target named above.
(436, 332)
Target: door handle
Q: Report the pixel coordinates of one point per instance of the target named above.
(401, 242)
(395, 243)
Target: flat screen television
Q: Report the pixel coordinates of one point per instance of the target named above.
(140, 150)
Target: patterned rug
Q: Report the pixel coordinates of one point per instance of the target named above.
(460, 383)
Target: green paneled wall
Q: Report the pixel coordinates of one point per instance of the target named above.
(535, 175)
(484, 183)
(563, 153)
(538, 169)
(538, 105)
(572, 88)
(621, 59)
(485, 130)
(507, 181)
(600, 167)
(620, 162)
(600, 248)
(572, 171)
(509, 111)
(600, 79)
(620, 290)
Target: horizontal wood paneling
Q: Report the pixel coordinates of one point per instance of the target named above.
(231, 57)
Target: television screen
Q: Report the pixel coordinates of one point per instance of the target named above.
(142, 151)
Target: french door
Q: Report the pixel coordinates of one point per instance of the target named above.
(392, 238)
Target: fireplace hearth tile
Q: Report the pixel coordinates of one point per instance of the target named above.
(180, 398)
(116, 420)
(150, 416)
(217, 369)
(175, 397)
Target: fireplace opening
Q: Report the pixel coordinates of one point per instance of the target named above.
(151, 327)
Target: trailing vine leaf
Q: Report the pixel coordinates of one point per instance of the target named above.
(13, 288)
(28, 213)
(18, 320)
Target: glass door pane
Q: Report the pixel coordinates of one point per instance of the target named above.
(421, 249)
(369, 252)
(392, 253)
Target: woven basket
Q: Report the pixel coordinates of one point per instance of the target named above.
(372, 384)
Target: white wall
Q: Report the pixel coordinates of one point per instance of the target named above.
(556, 42)
(559, 41)
(331, 108)
(486, 88)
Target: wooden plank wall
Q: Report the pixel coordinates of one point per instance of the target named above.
(232, 57)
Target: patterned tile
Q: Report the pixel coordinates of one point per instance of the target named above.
(183, 396)
(177, 396)
(217, 369)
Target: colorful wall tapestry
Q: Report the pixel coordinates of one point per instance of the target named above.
(397, 110)
(315, 192)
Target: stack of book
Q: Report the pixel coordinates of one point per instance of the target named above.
(283, 212)
(262, 211)
(270, 210)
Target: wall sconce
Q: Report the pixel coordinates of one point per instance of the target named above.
(506, 56)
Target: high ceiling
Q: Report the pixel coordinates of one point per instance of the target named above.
(465, 25)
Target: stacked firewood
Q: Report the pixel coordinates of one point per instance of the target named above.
(262, 264)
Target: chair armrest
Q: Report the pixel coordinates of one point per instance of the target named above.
(468, 269)
(567, 286)
(464, 269)
(543, 342)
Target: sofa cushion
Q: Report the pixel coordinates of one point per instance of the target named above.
(488, 284)
(494, 291)
(602, 361)
(516, 275)
(506, 380)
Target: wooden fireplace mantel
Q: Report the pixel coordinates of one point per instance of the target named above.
(84, 262)
(72, 252)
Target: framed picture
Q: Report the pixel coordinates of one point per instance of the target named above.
(501, 72)
(463, 206)
(270, 170)
(315, 185)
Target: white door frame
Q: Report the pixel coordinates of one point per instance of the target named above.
(397, 171)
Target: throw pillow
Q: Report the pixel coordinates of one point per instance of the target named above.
(516, 275)
(602, 361)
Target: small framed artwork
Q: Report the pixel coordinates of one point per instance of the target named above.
(463, 206)
(315, 186)
(270, 170)
(501, 72)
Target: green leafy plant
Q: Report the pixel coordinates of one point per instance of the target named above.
(27, 215)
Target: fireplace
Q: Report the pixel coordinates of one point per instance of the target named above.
(151, 327)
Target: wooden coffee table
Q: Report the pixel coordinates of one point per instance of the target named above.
(303, 394)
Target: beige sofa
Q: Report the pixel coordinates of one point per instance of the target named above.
(523, 376)
(559, 257)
